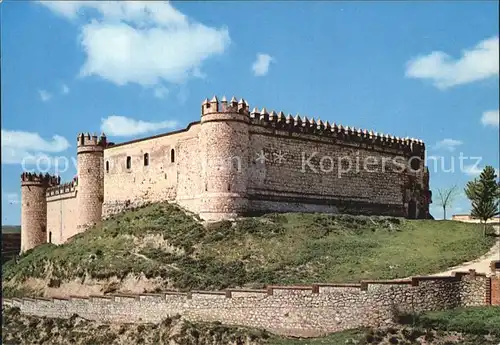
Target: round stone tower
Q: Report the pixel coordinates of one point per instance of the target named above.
(34, 208)
(90, 194)
(224, 140)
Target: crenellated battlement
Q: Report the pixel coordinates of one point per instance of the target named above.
(223, 106)
(93, 142)
(65, 188)
(46, 180)
(305, 125)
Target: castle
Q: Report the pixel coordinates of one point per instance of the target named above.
(232, 162)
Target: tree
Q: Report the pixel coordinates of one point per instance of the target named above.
(445, 197)
(484, 194)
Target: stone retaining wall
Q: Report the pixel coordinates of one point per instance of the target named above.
(495, 283)
(287, 310)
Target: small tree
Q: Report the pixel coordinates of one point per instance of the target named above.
(445, 197)
(484, 194)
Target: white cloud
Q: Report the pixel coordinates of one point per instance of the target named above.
(261, 65)
(124, 127)
(12, 198)
(491, 118)
(68, 9)
(160, 92)
(19, 146)
(477, 63)
(45, 96)
(447, 144)
(64, 89)
(30, 140)
(142, 42)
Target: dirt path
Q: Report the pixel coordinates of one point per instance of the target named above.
(482, 264)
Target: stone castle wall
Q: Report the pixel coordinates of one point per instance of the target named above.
(226, 162)
(302, 173)
(34, 208)
(33, 216)
(218, 174)
(90, 196)
(296, 311)
(495, 283)
(62, 213)
(161, 179)
(235, 162)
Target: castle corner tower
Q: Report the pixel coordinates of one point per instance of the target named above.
(224, 139)
(90, 194)
(34, 208)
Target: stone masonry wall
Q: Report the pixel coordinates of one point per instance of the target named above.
(62, 214)
(297, 311)
(159, 180)
(203, 178)
(495, 290)
(224, 142)
(289, 181)
(495, 283)
(89, 196)
(33, 216)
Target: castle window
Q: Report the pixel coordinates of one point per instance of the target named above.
(50, 237)
(129, 162)
(107, 166)
(146, 159)
(172, 156)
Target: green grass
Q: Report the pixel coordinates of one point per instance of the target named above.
(472, 320)
(252, 252)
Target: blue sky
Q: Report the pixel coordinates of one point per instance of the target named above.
(417, 69)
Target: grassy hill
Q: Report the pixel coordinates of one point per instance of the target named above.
(160, 247)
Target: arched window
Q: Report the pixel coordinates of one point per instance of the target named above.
(172, 156)
(50, 236)
(146, 159)
(129, 162)
(107, 166)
